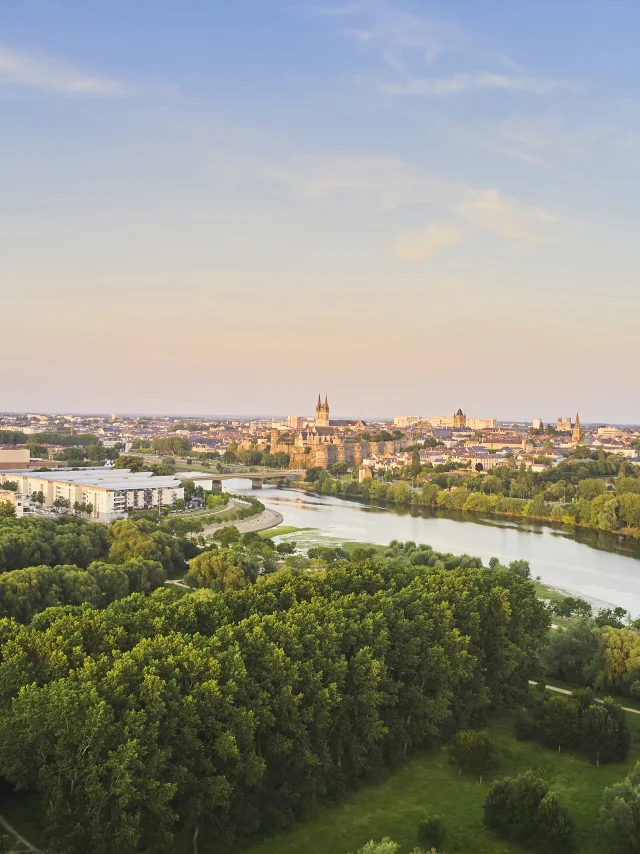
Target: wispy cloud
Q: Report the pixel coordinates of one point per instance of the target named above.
(409, 43)
(508, 218)
(22, 70)
(426, 244)
(397, 36)
(387, 184)
(474, 81)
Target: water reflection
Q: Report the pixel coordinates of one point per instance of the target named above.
(602, 567)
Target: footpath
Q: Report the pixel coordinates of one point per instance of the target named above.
(265, 520)
(21, 845)
(565, 691)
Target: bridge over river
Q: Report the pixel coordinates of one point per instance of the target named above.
(213, 480)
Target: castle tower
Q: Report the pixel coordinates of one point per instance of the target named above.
(576, 436)
(322, 412)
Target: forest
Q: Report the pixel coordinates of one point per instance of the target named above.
(155, 720)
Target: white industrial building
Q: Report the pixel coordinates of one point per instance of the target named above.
(111, 492)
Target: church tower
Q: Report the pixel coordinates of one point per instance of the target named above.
(576, 436)
(322, 412)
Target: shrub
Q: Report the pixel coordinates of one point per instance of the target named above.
(431, 831)
(523, 810)
(620, 813)
(474, 753)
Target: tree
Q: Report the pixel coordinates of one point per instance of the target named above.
(474, 753)
(620, 813)
(218, 570)
(611, 617)
(227, 535)
(555, 827)
(522, 809)
(570, 652)
(38, 497)
(133, 463)
(432, 831)
(590, 488)
(521, 568)
(570, 606)
(7, 510)
(560, 721)
(599, 733)
(386, 846)
(61, 503)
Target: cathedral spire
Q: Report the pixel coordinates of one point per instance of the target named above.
(576, 436)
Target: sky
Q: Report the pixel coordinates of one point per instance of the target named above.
(214, 207)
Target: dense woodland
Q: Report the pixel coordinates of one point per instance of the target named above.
(155, 720)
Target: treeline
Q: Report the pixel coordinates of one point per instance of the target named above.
(606, 657)
(26, 592)
(67, 540)
(159, 721)
(571, 494)
(597, 728)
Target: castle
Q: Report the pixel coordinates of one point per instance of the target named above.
(328, 442)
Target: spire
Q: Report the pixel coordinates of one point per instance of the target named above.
(577, 432)
(319, 404)
(326, 400)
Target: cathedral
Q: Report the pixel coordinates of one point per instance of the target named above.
(322, 413)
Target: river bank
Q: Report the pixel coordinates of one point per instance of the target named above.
(599, 567)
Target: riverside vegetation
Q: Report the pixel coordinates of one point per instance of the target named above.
(601, 494)
(170, 719)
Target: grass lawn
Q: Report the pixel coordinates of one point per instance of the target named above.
(281, 530)
(428, 785)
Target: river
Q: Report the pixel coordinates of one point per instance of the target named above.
(603, 568)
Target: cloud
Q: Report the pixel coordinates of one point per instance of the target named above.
(394, 34)
(19, 69)
(386, 184)
(474, 81)
(508, 218)
(428, 243)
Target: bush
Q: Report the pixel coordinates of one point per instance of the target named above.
(474, 753)
(620, 813)
(523, 810)
(431, 831)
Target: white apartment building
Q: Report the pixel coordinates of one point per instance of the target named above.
(405, 420)
(111, 492)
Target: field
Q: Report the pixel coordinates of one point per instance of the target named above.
(428, 785)
(281, 530)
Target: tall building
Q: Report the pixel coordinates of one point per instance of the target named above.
(459, 419)
(295, 422)
(576, 436)
(537, 424)
(405, 420)
(322, 413)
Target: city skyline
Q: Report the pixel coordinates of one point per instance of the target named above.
(222, 208)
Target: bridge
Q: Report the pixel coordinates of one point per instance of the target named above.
(257, 478)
